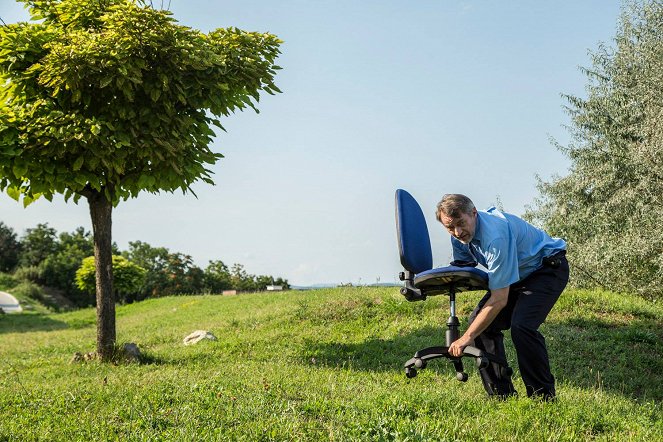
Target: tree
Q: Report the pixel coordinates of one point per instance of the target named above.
(9, 248)
(127, 277)
(610, 205)
(184, 277)
(37, 244)
(282, 282)
(217, 277)
(104, 99)
(58, 270)
(167, 273)
(241, 279)
(154, 260)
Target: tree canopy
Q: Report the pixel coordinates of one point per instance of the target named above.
(114, 97)
(610, 204)
(103, 99)
(9, 248)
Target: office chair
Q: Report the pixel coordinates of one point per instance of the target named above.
(421, 280)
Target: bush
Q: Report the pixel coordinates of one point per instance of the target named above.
(28, 274)
(30, 290)
(59, 271)
(7, 282)
(127, 278)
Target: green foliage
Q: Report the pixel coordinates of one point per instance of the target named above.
(59, 269)
(325, 365)
(51, 260)
(105, 99)
(7, 282)
(610, 205)
(30, 295)
(217, 277)
(167, 273)
(127, 277)
(111, 98)
(241, 280)
(28, 290)
(9, 248)
(37, 244)
(172, 273)
(184, 276)
(30, 273)
(152, 259)
(57, 258)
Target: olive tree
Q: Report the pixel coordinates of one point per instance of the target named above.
(104, 99)
(610, 204)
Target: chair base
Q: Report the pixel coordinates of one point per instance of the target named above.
(482, 359)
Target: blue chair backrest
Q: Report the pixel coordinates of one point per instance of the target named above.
(413, 240)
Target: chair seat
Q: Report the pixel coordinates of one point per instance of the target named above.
(443, 279)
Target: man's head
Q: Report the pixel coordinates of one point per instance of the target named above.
(458, 215)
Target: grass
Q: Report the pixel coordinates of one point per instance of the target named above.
(323, 365)
(29, 295)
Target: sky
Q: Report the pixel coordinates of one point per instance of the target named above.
(430, 96)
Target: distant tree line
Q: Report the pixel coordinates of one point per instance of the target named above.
(45, 258)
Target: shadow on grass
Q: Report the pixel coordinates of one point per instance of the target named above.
(377, 354)
(150, 359)
(625, 360)
(620, 358)
(25, 323)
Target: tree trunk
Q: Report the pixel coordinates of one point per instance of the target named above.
(100, 212)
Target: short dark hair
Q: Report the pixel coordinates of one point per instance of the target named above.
(453, 205)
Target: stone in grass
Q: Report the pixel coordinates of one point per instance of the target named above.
(198, 336)
(131, 352)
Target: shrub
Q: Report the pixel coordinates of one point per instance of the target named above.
(7, 282)
(30, 290)
(28, 274)
(127, 277)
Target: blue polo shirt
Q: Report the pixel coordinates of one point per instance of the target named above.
(507, 246)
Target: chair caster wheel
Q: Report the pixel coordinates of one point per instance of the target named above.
(419, 363)
(482, 362)
(410, 372)
(462, 377)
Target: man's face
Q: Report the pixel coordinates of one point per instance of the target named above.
(462, 228)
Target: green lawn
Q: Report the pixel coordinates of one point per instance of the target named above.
(323, 365)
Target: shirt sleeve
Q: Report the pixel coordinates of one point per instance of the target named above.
(461, 252)
(501, 264)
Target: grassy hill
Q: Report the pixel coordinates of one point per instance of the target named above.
(323, 365)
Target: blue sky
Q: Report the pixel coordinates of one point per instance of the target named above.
(431, 96)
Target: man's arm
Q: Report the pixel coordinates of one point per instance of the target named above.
(497, 301)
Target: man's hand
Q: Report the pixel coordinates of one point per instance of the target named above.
(496, 302)
(457, 347)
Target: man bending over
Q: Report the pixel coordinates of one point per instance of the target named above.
(527, 271)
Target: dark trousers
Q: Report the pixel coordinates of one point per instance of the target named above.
(530, 301)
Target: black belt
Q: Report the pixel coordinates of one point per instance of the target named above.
(554, 260)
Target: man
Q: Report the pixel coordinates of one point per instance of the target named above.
(527, 272)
